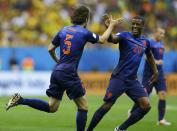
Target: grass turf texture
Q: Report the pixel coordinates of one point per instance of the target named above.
(22, 118)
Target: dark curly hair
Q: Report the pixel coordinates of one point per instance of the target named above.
(139, 18)
(80, 15)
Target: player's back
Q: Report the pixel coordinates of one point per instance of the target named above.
(72, 40)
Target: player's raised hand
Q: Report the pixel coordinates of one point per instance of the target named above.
(120, 20)
(106, 20)
(115, 21)
(109, 19)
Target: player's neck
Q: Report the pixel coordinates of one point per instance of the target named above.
(137, 35)
(84, 25)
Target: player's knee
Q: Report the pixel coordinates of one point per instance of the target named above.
(146, 107)
(107, 105)
(83, 107)
(53, 110)
(162, 95)
(81, 103)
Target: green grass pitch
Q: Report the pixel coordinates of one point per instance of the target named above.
(22, 118)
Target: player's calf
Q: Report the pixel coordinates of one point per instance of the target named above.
(38, 104)
(98, 115)
(81, 117)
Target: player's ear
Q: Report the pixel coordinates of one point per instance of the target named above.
(142, 25)
(86, 21)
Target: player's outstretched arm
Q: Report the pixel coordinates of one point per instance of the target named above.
(51, 49)
(151, 61)
(112, 38)
(107, 33)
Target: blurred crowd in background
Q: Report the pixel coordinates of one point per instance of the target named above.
(34, 22)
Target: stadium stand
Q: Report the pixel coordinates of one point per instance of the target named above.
(32, 22)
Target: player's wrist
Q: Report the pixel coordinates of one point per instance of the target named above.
(156, 72)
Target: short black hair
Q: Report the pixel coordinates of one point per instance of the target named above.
(140, 18)
(80, 15)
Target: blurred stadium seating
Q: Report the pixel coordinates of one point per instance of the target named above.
(34, 22)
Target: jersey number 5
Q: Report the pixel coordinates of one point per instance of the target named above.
(68, 44)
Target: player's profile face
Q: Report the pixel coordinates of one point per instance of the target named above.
(88, 19)
(160, 33)
(137, 25)
(87, 22)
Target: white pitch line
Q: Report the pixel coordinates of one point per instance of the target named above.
(171, 107)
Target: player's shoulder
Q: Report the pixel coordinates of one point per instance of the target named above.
(63, 30)
(153, 42)
(123, 34)
(86, 31)
(162, 43)
(144, 37)
(80, 29)
(89, 33)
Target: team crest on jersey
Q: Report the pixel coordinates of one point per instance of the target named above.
(109, 94)
(161, 50)
(145, 43)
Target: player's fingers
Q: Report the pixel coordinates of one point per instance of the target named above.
(128, 20)
(105, 16)
(120, 20)
(110, 17)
